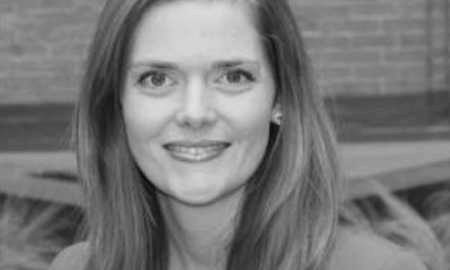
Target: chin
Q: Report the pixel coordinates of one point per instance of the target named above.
(197, 197)
(197, 200)
(205, 196)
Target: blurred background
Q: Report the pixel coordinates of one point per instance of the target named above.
(383, 69)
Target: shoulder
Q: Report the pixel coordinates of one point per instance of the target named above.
(358, 249)
(71, 258)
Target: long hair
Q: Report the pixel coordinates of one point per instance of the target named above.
(289, 212)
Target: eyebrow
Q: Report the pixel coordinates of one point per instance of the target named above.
(234, 63)
(154, 63)
(171, 65)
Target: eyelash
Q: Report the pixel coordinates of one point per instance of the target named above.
(167, 83)
(245, 78)
(143, 76)
(248, 75)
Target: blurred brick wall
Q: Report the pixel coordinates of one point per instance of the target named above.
(373, 46)
(357, 46)
(42, 47)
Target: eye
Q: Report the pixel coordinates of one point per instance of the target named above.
(155, 80)
(236, 77)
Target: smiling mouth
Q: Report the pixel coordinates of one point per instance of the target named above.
(196, 151)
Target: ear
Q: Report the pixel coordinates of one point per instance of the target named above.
(276, 114)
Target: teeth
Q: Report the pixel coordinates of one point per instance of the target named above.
(195, 153)
(194, 150)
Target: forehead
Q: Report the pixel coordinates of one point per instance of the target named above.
(197, 30)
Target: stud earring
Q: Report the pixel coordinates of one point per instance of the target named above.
(276, 117)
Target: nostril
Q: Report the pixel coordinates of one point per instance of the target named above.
(197, 116)
(196, 119)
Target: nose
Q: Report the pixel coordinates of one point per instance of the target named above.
(196, 110)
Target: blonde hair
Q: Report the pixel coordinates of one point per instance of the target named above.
(289, 213)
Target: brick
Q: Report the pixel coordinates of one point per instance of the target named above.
(411, 39)
(373, 71)
(331, 73)
(374, 8)
(80, 33)
(6, 21)
(351, 56)
(45, 23)
(306, 22)
(439, 62)
(353, 88)
(403, 86)
(24, 5)
(402, 25)
(317, 13)
(75, 49)
(26, 48)
(413, 73)
(376, 40)
(405, 55)
(350, 26)
(20, 82)
(6, 7)
(56, 4)
(14, 64)
(329, 42)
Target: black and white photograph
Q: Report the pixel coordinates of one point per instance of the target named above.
(224, 134)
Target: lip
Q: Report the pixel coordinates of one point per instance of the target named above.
(202, 143)
(196, 151)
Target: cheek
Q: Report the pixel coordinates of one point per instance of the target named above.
(254, 127)
(143, 120)
(144, 124)
(250, 116)
(252, 144)
(256, 134)
(251, 125)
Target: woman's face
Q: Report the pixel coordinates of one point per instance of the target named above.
(198, 99)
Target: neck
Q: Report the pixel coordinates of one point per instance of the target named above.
(199, 234)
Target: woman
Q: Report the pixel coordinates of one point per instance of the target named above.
(203, 145)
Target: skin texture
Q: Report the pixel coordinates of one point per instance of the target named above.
(196, 72)
(184, 44)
